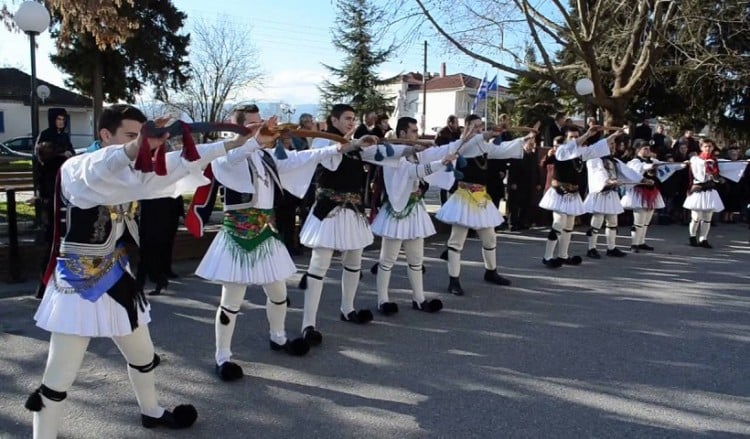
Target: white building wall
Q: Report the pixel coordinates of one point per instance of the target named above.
(440, 105)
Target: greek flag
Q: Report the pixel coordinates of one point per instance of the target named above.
(481, 93)
(492, 86)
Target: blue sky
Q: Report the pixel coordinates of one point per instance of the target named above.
(293, 38)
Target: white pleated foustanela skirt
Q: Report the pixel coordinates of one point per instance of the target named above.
(465, 211)
(226, 262)
(633, 200)
(606, 203)
(343, 229)
(704, 201)
(417, 224)
(69, 313)
(567, 204)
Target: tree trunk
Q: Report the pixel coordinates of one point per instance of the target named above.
(614, 112)
(98, 92)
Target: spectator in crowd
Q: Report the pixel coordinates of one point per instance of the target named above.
(689, 140)
(306, 122)
(643, 131)
(381, 126)
(556, 128)
(285, 209)
(524, 182)
(449, 133)
(659, 143)
(52, 149)
(366, 126)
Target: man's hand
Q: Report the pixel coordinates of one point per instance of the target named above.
(360, 143)
(449, 158)
(263, 132)
(132, 147)
(155, 142)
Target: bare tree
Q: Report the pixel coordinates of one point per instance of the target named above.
(223, 64)
(616, 43)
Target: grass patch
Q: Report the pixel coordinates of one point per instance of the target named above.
(16, 166)
(24, 212)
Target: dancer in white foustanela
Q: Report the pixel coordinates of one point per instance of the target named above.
(605, 175)
(91, 291)
(337, 223)
(643, 199)
(470, 207)
(403, 218)
(703, 199)
(563, 197)
(248, 250)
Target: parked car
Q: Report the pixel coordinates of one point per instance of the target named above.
(24, 144)
(7, 153)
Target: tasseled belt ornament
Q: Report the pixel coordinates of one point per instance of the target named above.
(330, 200)
(564, 188)
(340, 197)
(90, 276)
(474, 192)
(250, 227)
(414, 198)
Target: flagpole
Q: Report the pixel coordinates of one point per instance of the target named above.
(497, 101)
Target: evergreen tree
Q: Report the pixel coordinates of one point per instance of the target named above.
(357, 81)
(156, 54)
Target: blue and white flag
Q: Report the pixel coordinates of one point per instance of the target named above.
(664, 171)
(732, 170)
(481, 94)
(492, 85)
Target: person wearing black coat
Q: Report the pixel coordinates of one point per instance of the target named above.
(52, 149)
(524, 181)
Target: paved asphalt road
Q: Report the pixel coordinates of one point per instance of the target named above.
(651, 345)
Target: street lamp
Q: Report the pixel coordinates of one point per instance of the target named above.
(33, 18)
(288, 110)
(585, 88)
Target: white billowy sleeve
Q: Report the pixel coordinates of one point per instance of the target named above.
(233, 171)
(626, 174)
(512, 149)
(331, 163)
(639, 166)
(439, 152)
(107, 176)
(418, 171)
(297, 170)
(571, 150)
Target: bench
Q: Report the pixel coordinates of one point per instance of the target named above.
(10, 183)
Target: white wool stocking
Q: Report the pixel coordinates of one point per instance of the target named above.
(226, 319)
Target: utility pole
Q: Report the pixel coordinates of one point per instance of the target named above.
(424, 92)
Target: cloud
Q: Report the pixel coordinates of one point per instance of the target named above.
(294, 86)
